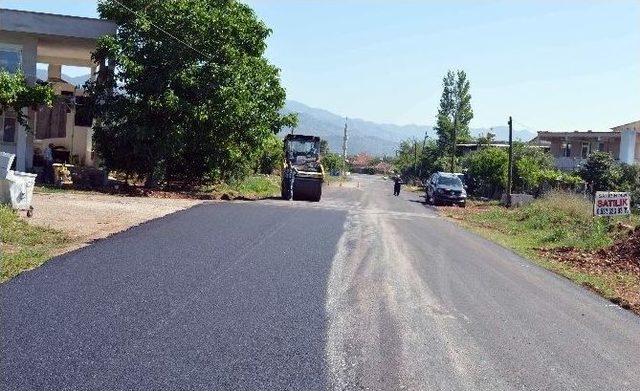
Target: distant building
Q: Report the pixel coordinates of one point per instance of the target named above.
(571, 149)
(361, 160)
(383, 168)
(29, 38)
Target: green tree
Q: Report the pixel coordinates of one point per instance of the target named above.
(272, 155)
(324, 147)
(486, 171)
(333, 163)
(418, 160)
(530, 167)
(486, 140)
(16, 94)
(192, 97)
(630, 181)
(454, 114)
(601, 172)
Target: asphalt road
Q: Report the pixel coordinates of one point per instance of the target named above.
(362, 290)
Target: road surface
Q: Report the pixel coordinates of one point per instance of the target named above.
(360, 291)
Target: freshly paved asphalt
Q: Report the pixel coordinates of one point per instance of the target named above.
(362, 290)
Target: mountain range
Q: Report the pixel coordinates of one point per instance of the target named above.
(377, 139)
(76, 81)
(374, 138)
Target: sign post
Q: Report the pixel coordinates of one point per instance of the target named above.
(612, 203)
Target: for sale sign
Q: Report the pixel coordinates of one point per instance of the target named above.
(612, 203)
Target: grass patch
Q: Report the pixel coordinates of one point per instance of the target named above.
(23, 246)
(336, 179)
(556, 221)
(253, 187)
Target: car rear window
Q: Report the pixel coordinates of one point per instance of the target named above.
(449, 181)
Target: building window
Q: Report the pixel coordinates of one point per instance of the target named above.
(586, 149)
(601, 147)
(8, 129)
(10, 58)
(566, 149)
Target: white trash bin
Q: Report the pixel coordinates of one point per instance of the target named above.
(16, 188)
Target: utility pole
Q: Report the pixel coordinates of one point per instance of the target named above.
(453, 149)
(344, 145)
(510, 174)
(424, 145)
(415, 156)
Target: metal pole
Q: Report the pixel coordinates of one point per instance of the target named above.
(415, 156)
(510, 173)
(453, 149)
(424, 145)
(344, 146)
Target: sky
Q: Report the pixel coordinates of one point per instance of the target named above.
(551, 64)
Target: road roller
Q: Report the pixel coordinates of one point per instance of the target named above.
(302, 173)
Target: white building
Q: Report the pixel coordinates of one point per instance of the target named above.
(31, 38)
(629, 142)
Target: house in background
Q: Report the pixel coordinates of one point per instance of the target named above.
(467, 148)
(571, 149)
(31, 38)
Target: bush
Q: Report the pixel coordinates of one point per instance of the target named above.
(629, 180)
(601, 172)
(333, 163)
(272, 155)
(486, 171)
(565, 219)
(529, 168)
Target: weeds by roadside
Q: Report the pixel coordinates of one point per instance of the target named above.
(551, 231)
(336, 180)
(24, 247)
(253, 187)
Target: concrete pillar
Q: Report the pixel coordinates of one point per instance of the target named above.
(21, 148)
(628, 146)
(54, 70)
(30, 58)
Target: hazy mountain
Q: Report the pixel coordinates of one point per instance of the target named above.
(364, 136)
(76, 81)
(371, 137)
(502, 133)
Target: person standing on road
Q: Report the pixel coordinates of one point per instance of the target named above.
(397, 182)
(290, 176)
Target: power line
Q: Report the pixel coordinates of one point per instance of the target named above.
(160, 28)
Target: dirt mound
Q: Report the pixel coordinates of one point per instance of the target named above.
(624, 255)
(625, 252)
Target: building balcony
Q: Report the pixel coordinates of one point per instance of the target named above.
(568, 163)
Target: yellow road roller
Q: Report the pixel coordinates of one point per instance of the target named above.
(302, 173)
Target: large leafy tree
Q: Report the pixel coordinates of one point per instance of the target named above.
(191, 97)
(418, 159)
(454, 113)
(486, 170)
